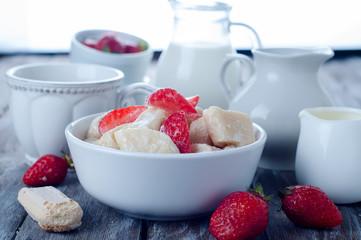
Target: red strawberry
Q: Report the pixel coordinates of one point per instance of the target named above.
(118, 117)
(171, 101)
(109, 43)
(47, 170)
(193, 100)
(176, 127)
(89, 42)
(132, 49)
(309, 206)
(241, 215)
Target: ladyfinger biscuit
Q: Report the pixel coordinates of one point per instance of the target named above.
(52, 210)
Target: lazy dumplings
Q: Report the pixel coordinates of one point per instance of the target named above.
(171, 124)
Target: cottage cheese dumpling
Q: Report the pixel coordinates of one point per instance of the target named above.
(108, 140)
(144, 140)
(215, 130)
(93, 133)
(198, 132)
(151, 118)
(202, 147)
(226, 127)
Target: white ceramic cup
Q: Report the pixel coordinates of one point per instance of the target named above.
(329, 152)
(46, 97)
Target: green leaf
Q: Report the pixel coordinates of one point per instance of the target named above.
(143, 45)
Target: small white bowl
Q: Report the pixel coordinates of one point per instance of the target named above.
(161, 186)
(133, 65)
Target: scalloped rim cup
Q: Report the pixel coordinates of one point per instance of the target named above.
(43, 74)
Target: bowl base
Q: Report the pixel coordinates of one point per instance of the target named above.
(164, 218)
(280, 164)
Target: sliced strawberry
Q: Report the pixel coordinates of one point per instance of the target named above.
(118, 117)
(132, 49)
(176, 127)
(171, 101)
(109, 43)
(193, 100)
(89, 42)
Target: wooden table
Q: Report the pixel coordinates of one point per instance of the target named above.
(103, 222)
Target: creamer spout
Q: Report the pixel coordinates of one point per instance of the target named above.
(305, 113)
(324, 52)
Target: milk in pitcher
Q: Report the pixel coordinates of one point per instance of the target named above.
(200, 41)
(194, 69)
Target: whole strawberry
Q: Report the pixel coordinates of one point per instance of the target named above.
(241, 215)
(47, 170)
(309, 206)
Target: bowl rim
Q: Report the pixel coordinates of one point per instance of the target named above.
(78, 44)
(13, 78)
(162, 156)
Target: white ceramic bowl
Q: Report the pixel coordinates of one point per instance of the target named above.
(161, 186)
(133, 65)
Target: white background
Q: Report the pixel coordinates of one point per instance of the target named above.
(47, 25)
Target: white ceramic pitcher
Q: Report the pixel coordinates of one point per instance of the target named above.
(329, 152)
(199, 43)
(280, 83)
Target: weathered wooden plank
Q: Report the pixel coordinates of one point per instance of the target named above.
(281, 228)
(99, 221)
(11, 167)
(187, 230)
(351, 221)
(11, 215)
(193, 229)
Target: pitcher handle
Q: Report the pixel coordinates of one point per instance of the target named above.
(125, 96)
(257, 39)
(248, 66)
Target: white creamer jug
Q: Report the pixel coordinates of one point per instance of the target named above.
(329, 152)
(200, 41)
(283, 81)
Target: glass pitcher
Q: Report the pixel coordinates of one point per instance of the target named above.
(200, 41)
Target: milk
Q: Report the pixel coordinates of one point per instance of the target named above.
(194, 69)
(337, 115)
